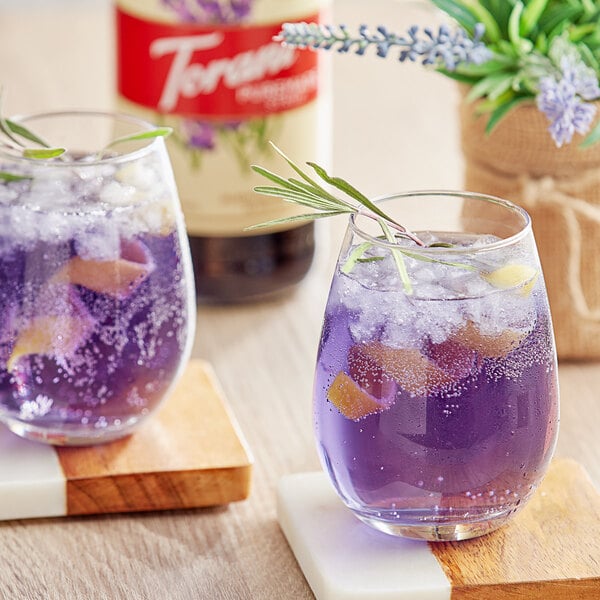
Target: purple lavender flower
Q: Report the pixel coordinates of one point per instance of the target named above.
(567, 113)
(562, 98)
(181, 10)
(445, 48)
(199, 134)
(210, 11)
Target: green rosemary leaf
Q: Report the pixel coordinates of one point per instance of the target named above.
(135, 137)
(6, 177)
(302, 174)
(408, 288)
(24, 133)
(370, 259)
(43, 153)
(305, 217)
(351, 191)
(355, 256)
(281, 181)
(301, 198)
(430, 259)
(141, 135)
(332, 200)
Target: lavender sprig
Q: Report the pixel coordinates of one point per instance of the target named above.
(447, 48)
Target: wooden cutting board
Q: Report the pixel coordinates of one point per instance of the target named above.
(549, 551)
(190, 454)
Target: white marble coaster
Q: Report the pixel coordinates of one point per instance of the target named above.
(344, 559)
(32, 483)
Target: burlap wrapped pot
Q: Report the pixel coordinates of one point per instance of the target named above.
(560, 188)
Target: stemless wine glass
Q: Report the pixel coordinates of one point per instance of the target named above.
(436, 393)
(96, 295)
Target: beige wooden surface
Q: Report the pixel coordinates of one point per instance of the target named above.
(394, 128)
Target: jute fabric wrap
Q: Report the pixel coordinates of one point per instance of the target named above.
(560, 189)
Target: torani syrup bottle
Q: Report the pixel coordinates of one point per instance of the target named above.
(211, 70)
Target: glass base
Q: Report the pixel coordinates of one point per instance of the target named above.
(74, 436)
(441, 529)
(437, 533)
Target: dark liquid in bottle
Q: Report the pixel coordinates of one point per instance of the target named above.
(238, 269)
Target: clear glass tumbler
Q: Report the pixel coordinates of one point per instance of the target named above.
(436, 393)
(97, 309)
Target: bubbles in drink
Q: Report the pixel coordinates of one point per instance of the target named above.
(94, 293)
(452, 384)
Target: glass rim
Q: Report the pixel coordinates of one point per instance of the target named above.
(513, 239)
(82, 112)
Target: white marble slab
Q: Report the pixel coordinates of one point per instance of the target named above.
(344, 559)
(32, 483)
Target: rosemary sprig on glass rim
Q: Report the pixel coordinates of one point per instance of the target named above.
(13, 136)
(309, 193)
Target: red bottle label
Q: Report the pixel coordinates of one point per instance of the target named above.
(226, 72)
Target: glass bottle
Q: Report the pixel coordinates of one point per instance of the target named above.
(211, 70)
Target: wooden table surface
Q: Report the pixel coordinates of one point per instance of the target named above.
(394, 128)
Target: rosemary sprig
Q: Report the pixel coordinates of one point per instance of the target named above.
(15, 134)
(308, 192)
(311, 194)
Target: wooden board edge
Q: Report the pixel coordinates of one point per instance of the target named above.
(560, 589)
(158, 491)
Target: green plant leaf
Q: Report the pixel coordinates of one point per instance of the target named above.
(514, 25)
(43, 153)
(488, 85)
(592, 138)
(579, 32)
(467, 79)
(555, 15)
(531, 15)
(487, 68)
(492, 31)
(459, 13)
(501, 111)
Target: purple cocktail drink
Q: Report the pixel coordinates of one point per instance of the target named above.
(436, 405)
(95, 295)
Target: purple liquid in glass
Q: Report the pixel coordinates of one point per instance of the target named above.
(420, 418)
(96, 292)
(130, 347)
